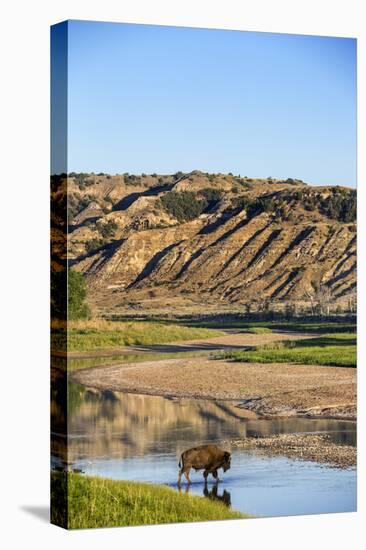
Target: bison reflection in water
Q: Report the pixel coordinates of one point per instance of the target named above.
(205, 457)
(225, 498)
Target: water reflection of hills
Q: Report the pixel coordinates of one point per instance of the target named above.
(110, 423)
(113, 424)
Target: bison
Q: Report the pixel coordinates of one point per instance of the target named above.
(206, 457)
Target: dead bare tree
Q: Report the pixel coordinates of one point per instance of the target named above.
(323, 298)
(311, 297)
(248, 308)
(352, 304)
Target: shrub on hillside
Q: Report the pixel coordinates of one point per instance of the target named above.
(108, 229)
(81, 179)
(131, 179)
(183, 206)
(211, 194)
(94, 244)
(76, 203)
(341, 205)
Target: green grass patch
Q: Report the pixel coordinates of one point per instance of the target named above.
(337, 350)
(99, 502)
(259, 330)
(88, 336)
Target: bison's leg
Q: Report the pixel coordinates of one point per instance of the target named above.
(186, 473)
(180, 476)
(184, 470)
(205, 475)
(214, 473)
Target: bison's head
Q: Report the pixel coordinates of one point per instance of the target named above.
(227, 461)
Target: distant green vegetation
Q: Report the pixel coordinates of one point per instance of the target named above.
(76, 203)
(259, 330)
(82, 179)
(256, 206)
(295, 325)
(331, 349)
(95, 244)
(340, 204)
(336, 203)
(187, 205)
(211, 194)
(178, 175)
(293, 181)
(243, 182)
(108, 229)
(184, 206)
(98, 502)
(131, 179)
(93, 335)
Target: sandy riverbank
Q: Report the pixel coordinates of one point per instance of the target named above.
(267, 390)
(316, 448)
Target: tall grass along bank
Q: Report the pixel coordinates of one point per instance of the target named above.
(99, 502)
(94, 335)
(338, 349)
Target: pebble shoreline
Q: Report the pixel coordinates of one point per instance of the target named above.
(317, 448)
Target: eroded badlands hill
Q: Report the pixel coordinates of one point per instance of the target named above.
(197, 241)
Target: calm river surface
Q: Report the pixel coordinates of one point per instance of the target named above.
(138, 437)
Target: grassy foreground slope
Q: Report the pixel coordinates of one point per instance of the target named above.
(94, 335)
(98, 502)
(338, 349)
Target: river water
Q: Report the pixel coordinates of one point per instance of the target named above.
(139, 437)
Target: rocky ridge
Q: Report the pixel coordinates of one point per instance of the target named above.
(215, 241)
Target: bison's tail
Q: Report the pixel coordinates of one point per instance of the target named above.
(180, 463)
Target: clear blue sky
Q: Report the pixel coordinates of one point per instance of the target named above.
(162, 99)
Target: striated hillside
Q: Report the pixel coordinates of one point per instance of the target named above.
(209, 242)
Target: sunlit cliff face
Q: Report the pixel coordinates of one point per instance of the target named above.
(264, 245)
